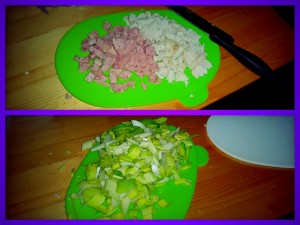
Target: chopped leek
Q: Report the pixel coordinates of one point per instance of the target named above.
(62, 167)
(96, 200)
(91, 172)
(124, 186)
(161, 120)
(163, 203)
(135, 158)
(147, 213)
(89, 194)
(87, 144)
(68, 152)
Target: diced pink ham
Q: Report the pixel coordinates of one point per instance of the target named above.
(139, 72)
(122, 51)
(119, 44)
(108, 62)
(153, 78)
(92, 56)
(118, 87)
(85, 46)
(125, 74)
(144, 86)
(113, 78)
(82, 59)
(95, 68)
(99, 53)
(114, 74)
(93, 35)
(100, 76)
(84, 63)
(122, 61)
(131, 84)
(153, 67)
(106, 25)
(84, 67)
(134, 32)
(101, 82)
(147, 42)
(92, 42)
(139, 49)
(149, 50)
(124, 34)
(103, 44)
(122, 87)
(90, 77)
(98, 62)
(119, 28)
(111, 52)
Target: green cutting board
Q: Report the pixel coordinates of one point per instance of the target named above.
(194, 93)
(179, 196)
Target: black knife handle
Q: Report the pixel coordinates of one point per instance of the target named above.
(248, 59)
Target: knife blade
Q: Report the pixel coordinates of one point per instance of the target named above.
(220, 37)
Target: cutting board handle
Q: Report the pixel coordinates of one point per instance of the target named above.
(202, 156)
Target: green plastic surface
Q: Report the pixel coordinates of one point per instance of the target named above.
(179, 196)
(194, 93)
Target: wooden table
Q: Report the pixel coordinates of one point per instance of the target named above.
(32, 38)
(42, 152)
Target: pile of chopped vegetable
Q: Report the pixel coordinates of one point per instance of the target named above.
(135, 158)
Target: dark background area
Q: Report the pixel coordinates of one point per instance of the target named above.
(263, 94)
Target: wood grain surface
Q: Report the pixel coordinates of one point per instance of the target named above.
(42, 151)
(32, 38)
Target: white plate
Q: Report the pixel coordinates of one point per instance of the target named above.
(262, 140)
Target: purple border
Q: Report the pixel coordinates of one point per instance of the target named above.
(2, 117)
(148, 112)
(297, 106)
(152, 2)
(4, 112)
(165, 222)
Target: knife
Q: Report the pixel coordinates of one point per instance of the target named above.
(248, 59)
(44, 9)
